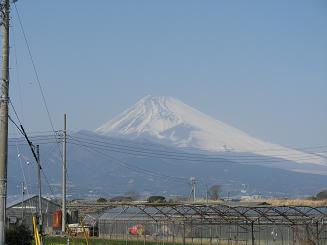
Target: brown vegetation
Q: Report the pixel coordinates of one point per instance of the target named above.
(296, 202)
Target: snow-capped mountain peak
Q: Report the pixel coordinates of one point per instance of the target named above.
(167, 120)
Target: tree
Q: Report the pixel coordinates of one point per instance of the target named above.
(102, 199)
(214, 192)
(322, 195)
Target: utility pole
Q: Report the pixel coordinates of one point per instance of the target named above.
(193, 183)
(4, 99)
(23, 194)
(40, 190)
(64, 175)
(207, 193)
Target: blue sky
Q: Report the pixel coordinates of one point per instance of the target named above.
(257, 65)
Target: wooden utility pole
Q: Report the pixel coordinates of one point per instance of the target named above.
(4, 100)
(64, 175)
(40, 193)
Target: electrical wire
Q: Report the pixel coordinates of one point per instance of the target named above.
(22, 168)
(17, 73)
(36, 138)
(174, 153)
(18, 128)
(135, 168)
(182, 156)
(156, 145)
(36, 73)
(38, 133)
(47, 181)
(45, 177)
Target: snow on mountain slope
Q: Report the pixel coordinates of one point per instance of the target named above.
(168, 120)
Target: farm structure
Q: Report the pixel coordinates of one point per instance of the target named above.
(214, 224)
(21, 211)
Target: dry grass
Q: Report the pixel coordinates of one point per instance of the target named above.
(296, 202)
(204, 201)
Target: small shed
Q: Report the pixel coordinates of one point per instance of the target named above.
(22, 210)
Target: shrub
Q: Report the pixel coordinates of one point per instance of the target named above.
(18, 235)
(156, 199)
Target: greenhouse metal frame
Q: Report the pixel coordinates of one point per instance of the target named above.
(214, 223)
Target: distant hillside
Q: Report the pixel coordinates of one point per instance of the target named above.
(106, 166)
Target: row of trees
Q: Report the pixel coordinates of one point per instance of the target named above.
(213, 194)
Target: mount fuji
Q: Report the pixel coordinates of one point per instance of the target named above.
(168, 121)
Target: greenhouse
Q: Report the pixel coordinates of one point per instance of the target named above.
(214, 224)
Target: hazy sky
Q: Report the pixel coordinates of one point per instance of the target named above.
(260, 66)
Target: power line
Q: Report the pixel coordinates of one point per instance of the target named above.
(17, 74)
(48, 138)
(38, 133)
(47, 181)
(169, 155)
(22, 168)
(172, 155)
(151, 150)
(22, 131)
(98, 147)
(36, 136)
(36, 72)
(156, 145)
(182, 156)
(135, 168)
(39, 143)
(18, 128)
(43, 137)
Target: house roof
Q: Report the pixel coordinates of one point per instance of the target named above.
(26, 198)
